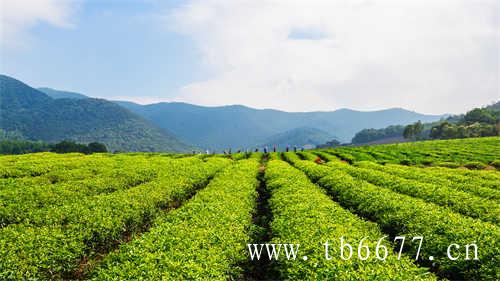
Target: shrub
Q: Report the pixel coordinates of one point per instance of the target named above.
(203, 239)
(451, 165)
(475, 165)
(495, 164)
(61, 236)
(303, 214)
(406, 162)
(407, 216)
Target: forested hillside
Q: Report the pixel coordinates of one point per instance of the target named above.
(39, 117)
(240, 126)
(478, 122)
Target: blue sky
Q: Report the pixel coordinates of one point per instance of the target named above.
(111, 50)
(431, 56)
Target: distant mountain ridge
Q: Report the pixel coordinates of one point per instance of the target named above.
(238, 126)
(57, 94)
(39, 117)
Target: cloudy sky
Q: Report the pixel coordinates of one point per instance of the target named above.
(431, 56)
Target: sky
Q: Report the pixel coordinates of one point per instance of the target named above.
(430, 56)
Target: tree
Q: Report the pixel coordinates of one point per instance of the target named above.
(408, 132)
(369, 135)
(332, 143)
(22, 146)
(413, 130)
(69, 146)
(481, 115)
(447, 130)
(97, 147)
(418, 128)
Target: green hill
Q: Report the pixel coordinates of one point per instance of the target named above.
(39, 117)
(57, 94)
(240, 126)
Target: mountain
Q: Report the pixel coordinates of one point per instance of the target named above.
(239, 126)
(300, 137)
(493, 106)
(57, 94)
(37, 116)
(478, 122)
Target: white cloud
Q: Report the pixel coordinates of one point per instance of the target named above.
(433, 56)
(18, 16)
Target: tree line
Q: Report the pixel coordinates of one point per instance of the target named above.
(16, 146)
(479, 122)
